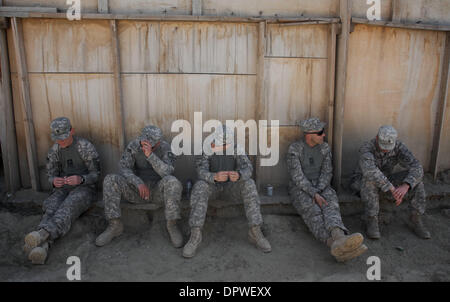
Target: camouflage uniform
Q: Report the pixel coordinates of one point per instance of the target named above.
(136, 169)
(206, 188)
(374, 175)
(310, 171)
(67, 203)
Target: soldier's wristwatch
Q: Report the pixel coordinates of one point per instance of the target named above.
(82, 180)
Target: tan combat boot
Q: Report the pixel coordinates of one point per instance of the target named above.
(35, 238)
(174, 233)
(256, 237)
(373, 231)
(353, 254)
(193, 243)
(418, 226)
(343, 244)
(38, 255)
(114, 229)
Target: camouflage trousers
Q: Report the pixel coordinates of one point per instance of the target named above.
(320, 221)
(370, 195)
(63, 207)
(245, 190)
(167, 191)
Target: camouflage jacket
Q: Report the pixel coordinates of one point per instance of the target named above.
(87, 153)
(376, 165)
(298, 178)
(160, 162)
(243, 166)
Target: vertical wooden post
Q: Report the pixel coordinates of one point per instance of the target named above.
(443, 95)
(261, 106)
(24, 88)
(341, 78)
(196, 7)
(118, 93)
(7, 124)
(396, 11)
(103, 6)
(331, 79)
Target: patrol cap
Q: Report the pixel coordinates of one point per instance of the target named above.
(387, 136)
(312, 125)
(60, 128)
(151, 133)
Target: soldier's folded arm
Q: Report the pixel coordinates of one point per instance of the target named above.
(126, 167)
(326, 171)
(296, 172)
(415, 169)
(165, 166)
(371, 172)
(91, 159)
(202, 166)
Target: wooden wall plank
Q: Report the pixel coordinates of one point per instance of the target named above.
(7, 123)
(331, 81)
(340, 98)
(26, 102)
(103, 6)
(169, 7)
(436, 150)
(197, 7)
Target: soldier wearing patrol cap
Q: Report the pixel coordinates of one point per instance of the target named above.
(228, 176)
(374, 177)
(310, 168)
(145, 175)
(73, 168)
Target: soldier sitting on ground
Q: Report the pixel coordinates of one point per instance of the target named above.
(229, 176)
(374, 177)
(73, 168)
(310, 168)
(145, 175)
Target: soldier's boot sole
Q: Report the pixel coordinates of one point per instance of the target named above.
(353, 254)
(265, 247)
(38, 255)
(346, 244)
(105, 237)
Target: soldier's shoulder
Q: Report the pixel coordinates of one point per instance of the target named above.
(84, 143)
(296, 146)
(368, 146)
(134, 145)
(84, 146)
(53, 149)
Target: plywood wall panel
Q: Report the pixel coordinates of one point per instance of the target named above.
(167, 7)
(188, 47)
(393, 78)
(67, 46)
(296, 89)
(297, 41)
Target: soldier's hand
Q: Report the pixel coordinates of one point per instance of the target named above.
(146, 147)
(73, 180)
(144, 192)
(234, 176)
(221, 176)
(58, 182)
(320, 200)
(399, 193)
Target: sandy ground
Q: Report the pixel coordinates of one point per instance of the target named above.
(143, 252)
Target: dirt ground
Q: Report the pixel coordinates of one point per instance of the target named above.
(143, 252)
